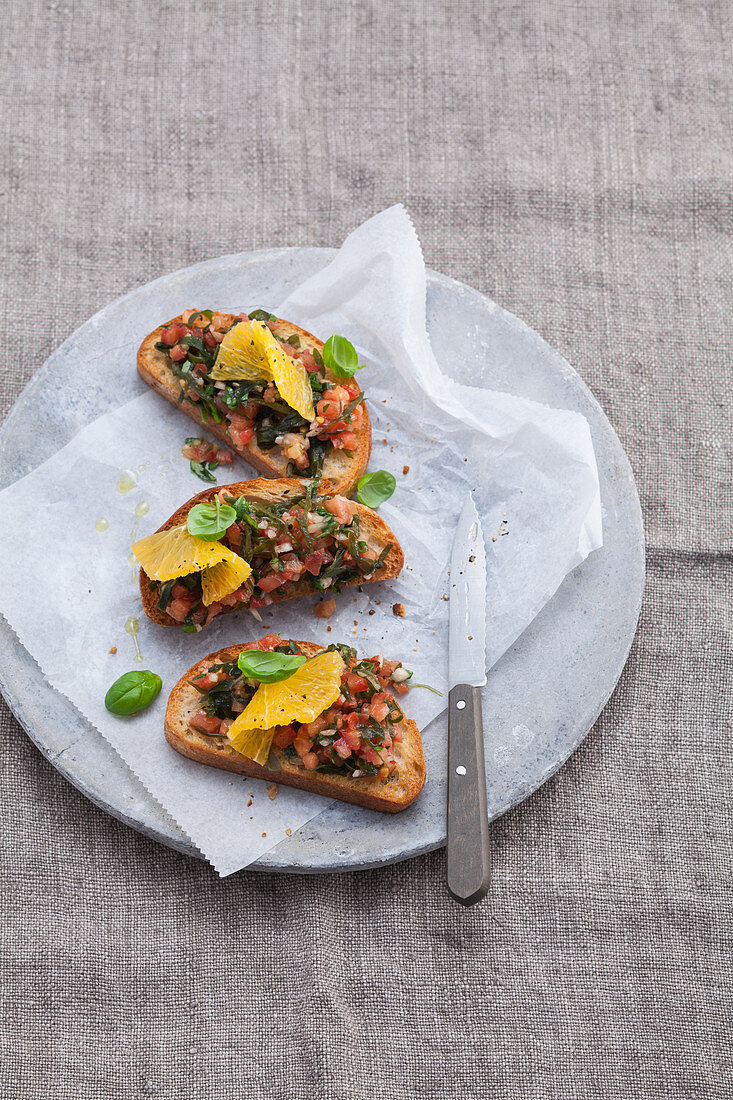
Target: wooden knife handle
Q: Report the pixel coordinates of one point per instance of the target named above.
(468, 823)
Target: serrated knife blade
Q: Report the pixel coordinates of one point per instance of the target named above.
(467, 614)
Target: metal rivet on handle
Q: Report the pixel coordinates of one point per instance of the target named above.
(460, 770)
(461, 704)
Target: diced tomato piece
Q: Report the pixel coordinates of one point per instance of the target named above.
(346, 441)
(355, 683)
(310, 761)
(206, 723)
(178, 353)
(294, 353)
(270, 582)
(283, 736)
(310, 729)
(342, 748)
(328, 409)
(179, 609)
(225, 458)
(202, 452)
(314, 561)
(351, 737)
(268, 642)
(240, 438)
(173, 334)
(302, 745)
(207, 680)
(341, 508)
(379, 711)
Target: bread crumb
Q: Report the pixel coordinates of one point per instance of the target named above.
(113, 649)
(325, 609)
(264, 834)
(372, 611)
(250, 802)
(288, 832)
(398, 609)
(356, 622)
(405, 469)
(328, 628)
(383, 441)
(272, 790)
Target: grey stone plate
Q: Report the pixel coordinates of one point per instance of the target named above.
(544, 694)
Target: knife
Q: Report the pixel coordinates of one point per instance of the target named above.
(468, 864)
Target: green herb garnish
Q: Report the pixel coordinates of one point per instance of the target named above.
(209, 522)
(268, 667)
(340, 358)
(203, 470)
(133, 692)
(373, 489)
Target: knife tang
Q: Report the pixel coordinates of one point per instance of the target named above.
(468, 868)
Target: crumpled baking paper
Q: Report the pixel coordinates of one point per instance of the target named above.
(68, 588)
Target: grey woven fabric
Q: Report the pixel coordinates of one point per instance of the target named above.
(570, 159)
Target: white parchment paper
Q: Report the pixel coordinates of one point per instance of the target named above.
(67, 588)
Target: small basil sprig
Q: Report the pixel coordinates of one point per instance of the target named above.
(203, 470)
(373, 489)
(269, 667)
(209, 522)
(133, 692)
(340, 358)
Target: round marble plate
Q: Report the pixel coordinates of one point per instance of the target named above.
(542, 697)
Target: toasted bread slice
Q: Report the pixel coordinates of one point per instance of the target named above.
(343, 469)
(387, 795)
(373, 530)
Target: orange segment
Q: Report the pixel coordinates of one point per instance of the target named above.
(254, 744)
(302, 697)
(250, 351)
(226, 576)
(167, 555)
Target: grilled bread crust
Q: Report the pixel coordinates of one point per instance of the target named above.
(342, 469)
(386, 795)
(372, 528)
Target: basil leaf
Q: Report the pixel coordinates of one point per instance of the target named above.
(317, 357)
(268, 667)
(340, 358)
(202, 470)
(373, 489)
(261, 315)
(294, 340)
(210, 521)
(133, 692)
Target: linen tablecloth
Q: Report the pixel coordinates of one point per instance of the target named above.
(570, 159)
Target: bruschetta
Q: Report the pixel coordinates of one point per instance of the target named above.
(179, 360)
(360, 749)
(292, 538)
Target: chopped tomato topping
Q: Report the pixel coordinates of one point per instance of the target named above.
(269, 642)
(206, 723)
